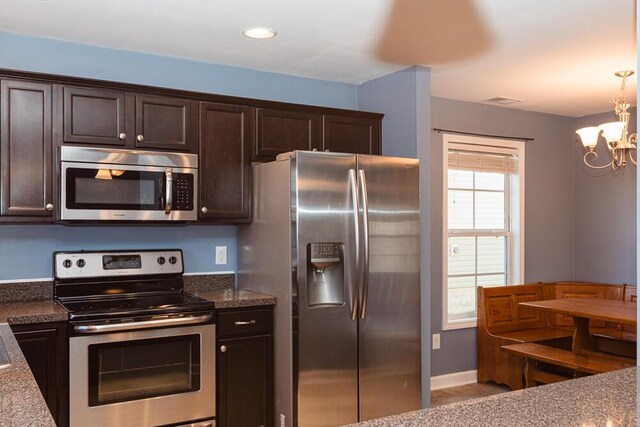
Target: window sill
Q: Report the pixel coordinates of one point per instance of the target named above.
(460, 324)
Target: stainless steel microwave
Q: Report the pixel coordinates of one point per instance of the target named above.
(99, 184)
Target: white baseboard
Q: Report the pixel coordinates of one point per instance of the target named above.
(454, 380)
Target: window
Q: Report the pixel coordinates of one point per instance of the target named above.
(482, 222)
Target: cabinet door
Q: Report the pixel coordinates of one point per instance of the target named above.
(44, 348)
(25, 149)
(226, 138)
(164, 122)
(351, 135)
(94, 116)
(280, 131)
(245, 383)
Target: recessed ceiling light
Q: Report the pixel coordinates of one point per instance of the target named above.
(504, 100)
(260, 33)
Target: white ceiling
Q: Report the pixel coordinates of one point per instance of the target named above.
(559, 56)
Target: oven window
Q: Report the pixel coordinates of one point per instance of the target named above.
(114, 189)
(141, 369)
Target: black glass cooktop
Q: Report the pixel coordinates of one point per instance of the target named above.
(133, 306)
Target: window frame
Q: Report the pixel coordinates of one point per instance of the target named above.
(515, 204)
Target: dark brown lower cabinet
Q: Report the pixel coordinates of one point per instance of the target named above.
(45, 347)
(245, 368)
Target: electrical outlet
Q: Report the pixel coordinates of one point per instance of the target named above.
(435, 342)
(282, 423)
(221, 255)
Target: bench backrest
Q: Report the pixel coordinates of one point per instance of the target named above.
(630, 295)
(564, 290)
(498, 309)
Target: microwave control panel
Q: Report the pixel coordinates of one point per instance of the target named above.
(183, 192)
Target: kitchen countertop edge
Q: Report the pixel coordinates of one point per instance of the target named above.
(22, 403)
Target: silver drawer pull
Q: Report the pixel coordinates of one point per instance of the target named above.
(250, 322)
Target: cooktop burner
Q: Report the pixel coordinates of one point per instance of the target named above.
(130, 306)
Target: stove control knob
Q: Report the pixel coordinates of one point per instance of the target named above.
(80, 263)
(173, 260)
(67, 263)
(161, 260)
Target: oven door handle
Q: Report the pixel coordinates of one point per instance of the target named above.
(146, 324)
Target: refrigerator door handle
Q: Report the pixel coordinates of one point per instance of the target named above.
(356, 228)
(364, 200)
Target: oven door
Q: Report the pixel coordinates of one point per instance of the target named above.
(142, 378)
(115, 192)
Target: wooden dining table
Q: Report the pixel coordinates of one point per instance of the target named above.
(584, 309)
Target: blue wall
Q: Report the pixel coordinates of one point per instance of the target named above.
(395, 96)
(73, 59)
(26, 251)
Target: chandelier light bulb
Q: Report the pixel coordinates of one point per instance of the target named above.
(612, 131)
(589, 137)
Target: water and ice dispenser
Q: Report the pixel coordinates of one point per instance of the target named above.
(325, 274)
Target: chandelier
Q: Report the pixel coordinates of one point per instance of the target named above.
(619, 142)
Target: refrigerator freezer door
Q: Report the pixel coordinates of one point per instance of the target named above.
(389, 331)
(325, 335)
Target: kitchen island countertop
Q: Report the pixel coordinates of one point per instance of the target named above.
(599, 400)
(21, 403)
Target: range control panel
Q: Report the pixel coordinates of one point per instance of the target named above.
(84, 264)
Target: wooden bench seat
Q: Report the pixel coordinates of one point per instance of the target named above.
(537, 335)
(591, 363)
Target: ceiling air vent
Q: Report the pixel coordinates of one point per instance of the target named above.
(503, 100)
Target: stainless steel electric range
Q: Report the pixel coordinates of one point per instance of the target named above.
(141, 351)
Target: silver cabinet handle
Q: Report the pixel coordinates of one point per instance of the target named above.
(315, 149)
(241, 323)
(327, 151)
(204, 210)
(223, 348)
(356, 230)
(146, 324)
(140, 138)
(122, 136)
(49, 207)
(168, 191)
(364, 200)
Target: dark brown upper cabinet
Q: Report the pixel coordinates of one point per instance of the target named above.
(281, 130)
(165, 123)
(226, 138)
(94, 116)
(98, 116)
(359, 135)
(25, 149)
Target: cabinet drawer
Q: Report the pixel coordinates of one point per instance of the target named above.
(245, 322)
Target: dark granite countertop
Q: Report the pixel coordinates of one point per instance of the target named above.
(21, 403)
(24, 312)
(599, 400)
(233, 298)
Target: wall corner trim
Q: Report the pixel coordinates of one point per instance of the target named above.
(454, 379)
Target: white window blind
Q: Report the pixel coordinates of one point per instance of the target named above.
(482, 162)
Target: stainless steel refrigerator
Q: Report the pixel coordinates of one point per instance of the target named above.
(335, 237)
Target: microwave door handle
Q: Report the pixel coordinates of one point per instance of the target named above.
(168, 174)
